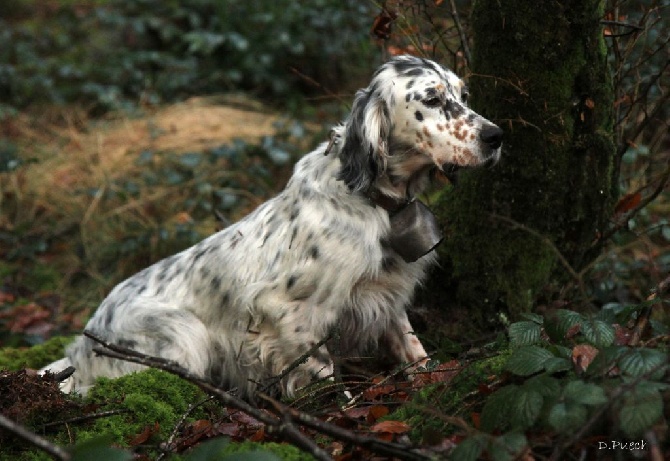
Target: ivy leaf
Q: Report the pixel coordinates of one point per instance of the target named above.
(585, 393)
(528, 360)
(524, 333)
(637, 362)
(641, 408)
(566, 416)
(598, 332)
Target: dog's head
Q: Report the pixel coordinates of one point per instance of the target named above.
(412, 118)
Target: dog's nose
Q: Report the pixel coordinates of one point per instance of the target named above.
(491, 135)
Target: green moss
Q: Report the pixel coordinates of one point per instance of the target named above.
(151, 397)
(34, 357)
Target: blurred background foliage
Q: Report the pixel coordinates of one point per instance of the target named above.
(110, 54)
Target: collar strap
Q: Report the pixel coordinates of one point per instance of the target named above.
(390, 204)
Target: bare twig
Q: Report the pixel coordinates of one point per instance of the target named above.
(663, 182)
(80, 419)
(26, 434)
(643, 319)
(461, 32)
(166, 448)
(399, 451)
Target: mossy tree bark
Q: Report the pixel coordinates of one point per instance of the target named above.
(540, 72)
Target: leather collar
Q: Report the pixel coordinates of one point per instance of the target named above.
(390, 204)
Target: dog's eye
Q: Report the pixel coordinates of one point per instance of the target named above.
(433, 102)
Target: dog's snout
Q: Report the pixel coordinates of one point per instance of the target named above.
(491, 135)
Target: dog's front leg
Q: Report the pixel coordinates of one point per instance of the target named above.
(404, 346)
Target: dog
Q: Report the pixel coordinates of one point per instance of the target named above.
(243, 305)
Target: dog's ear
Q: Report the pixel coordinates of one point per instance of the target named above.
(365, 148)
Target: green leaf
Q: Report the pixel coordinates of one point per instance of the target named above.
(558, 324)
(566, 416)
(605, 360)
(598, 333)
(585, 393)
(641, 408)
(546, 385)
(637, 362)
(507, 447)
(97, 449)
(528, 360)
(525, 407)
(537, 318)
(469, 449)
(556, 364)
(209, 450)
(496, 411)
(524, 333)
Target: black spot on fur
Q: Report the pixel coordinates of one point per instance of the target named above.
(414, 72)
(215, 283)
(418, 115)
(410, 84)
(298, 329)
(109, 317)
(314, 252)
(199, 254)
(295, 212)
(127, 343)
(291, 281)
(225, 298)
(294, 232)
(453, 109)
(408, 96)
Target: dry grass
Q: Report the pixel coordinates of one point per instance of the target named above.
(71, 195)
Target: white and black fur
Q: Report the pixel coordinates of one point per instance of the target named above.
(245, 303)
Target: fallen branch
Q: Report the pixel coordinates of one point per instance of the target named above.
(397, 450)
(277, 426)
(40, 442)
(282, 425)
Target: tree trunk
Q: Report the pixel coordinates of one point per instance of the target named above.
(540, 72)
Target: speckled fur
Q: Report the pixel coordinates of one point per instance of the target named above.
(243, 304)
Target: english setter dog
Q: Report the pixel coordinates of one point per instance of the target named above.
(244, 304)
